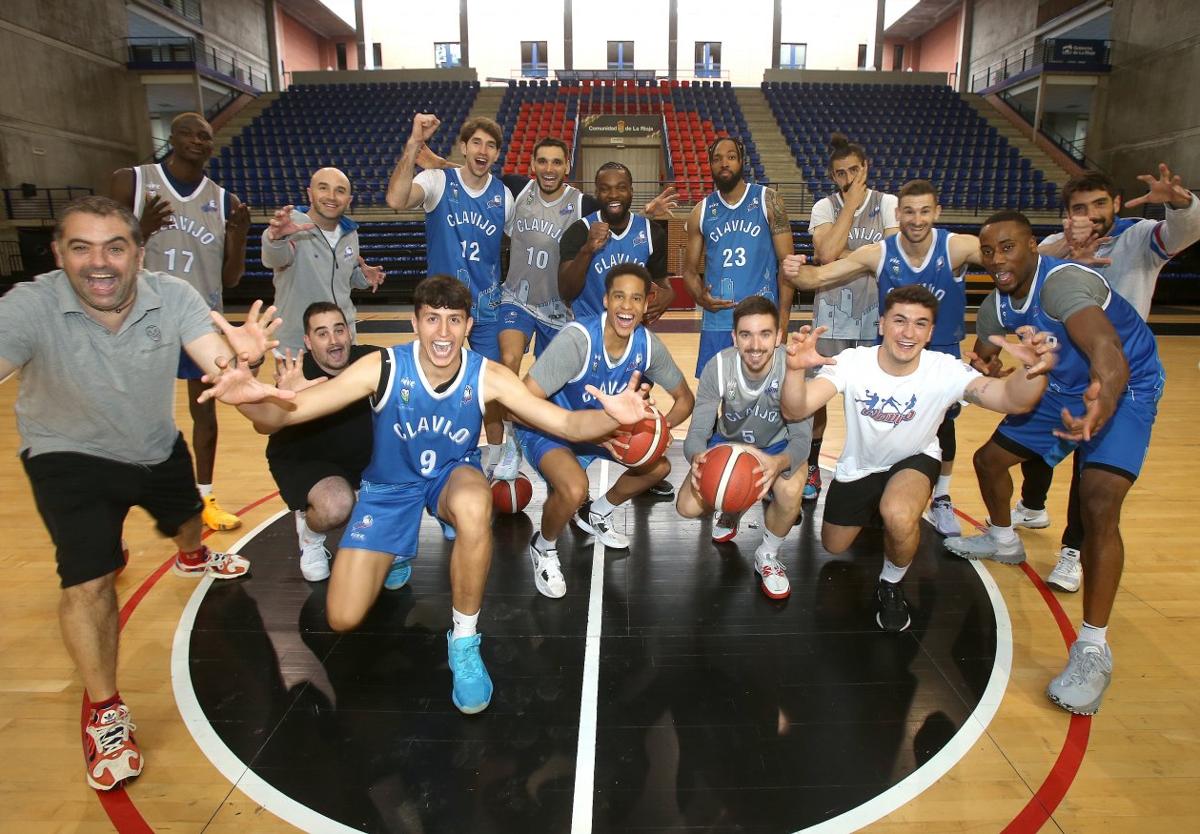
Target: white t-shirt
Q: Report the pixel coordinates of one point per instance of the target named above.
(433, 183)
(890, 418)
(333, 236)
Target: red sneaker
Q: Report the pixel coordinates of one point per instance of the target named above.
(111, 754)
(217, 565)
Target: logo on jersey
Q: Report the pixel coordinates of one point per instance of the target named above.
(637, 360)
(773, 388)
(887, 410)
(874, 211)
(940, 262)
(406, 386)
(152, 188)
(595, 362)
(468, 394)
(753, 205)
(713, 210)
(640, 239)
(364, 523)
(495, 202)
(211, 205)
(895, 265)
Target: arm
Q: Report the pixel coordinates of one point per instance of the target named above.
(237, 227)
(704, 414)
(863, 259)
(578, 245)
(1093, 334)
(1058, 245)
(664, 293)
(156, 212)
(277, 250)
(1018, 392)
(692, 253)
(781, 239)
(797, 398)
(964, 249)
(985, 355)
(359, 380)
(1182, 227)
(685, 401)
(402, 192)
(584, 425)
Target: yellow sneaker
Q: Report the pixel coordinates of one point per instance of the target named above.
(216, 518)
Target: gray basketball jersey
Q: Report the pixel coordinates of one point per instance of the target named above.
(750, 410)
(851, 310)
(532, 280)
(192, 245)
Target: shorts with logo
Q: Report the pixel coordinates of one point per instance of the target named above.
(387, 517)
(517, 317)
(856, 503)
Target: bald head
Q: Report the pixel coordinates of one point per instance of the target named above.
(328, 197)
(330, 175)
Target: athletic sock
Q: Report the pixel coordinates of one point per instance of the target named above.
(194, 557)
(943, 486)
(814, 452)
(1094, 634)
(602, 506)
(1004, 535)
(543, 544)
(100, 706)
(205, 490)
(892, 572)
(487, 457)
(306, 535)
(770, 544)
(464, 624)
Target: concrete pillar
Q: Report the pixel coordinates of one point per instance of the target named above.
(672, 38)
(966, 30)
(877, 58)
(776, 33)
(464, 47)
(360, 33)
(568, 39)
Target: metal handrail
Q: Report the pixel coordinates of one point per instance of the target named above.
(1071, 147)
(1038, 55)
(144, 51)
(32, 203)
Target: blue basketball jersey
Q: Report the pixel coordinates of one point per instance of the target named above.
(463, 235)
(1071, 374)
(935, 275)
(739, 254)
(633, 244)
(609, 375)
(418, 431)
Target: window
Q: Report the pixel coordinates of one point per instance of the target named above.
(447, 55)
(341, 56)
(792, 55)
(620, 55)
(377, 55)
(862, 56)
(898, 57)
(708, 59)
(534, 59)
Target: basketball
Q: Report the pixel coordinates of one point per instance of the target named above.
(648, 441)
(511, 496)
(727, 479)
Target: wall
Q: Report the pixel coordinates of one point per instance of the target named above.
(407, 39)
(495, 40)
(851, 77)
(645, 22)
(745, 48)
(1000, 28)
(940, 46)
(299, 46)
(832, 31)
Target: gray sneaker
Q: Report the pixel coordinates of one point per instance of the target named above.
(941, 513)
(984, 546)
(509, 465)
(1022, 516)
(1068, 573)
(600, 526)
(1080, 687)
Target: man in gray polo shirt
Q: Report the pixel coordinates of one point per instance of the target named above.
(97, 343)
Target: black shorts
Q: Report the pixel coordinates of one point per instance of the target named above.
(296, 477)
(84, 499)
(856, 503)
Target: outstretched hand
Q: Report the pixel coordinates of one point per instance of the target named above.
(802, 352)
(1084, 427)
(988, 367)
(156, 213)
(253, 339)
(373, 274)
(1037, 350)
(236, 384)
(238, 222)
(282, 225)
(663, 206)
(627, 407)
(1163, 189)
(289, 373)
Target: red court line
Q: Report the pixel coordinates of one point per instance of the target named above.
(117, 803)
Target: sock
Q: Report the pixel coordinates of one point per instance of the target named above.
(508, 431)
(543, 544)
(1004, 535)
(488, 455)
(814, 452)
(892, 572)
(307, 537)
(194, 557)
(602, 506)
(205, 490)
(943, 486)
(464, 624)
(1094, 634)
(770, 543)
(100, 706)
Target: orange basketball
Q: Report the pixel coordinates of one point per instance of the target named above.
(511, 496)
(647, 440)
(727, 479)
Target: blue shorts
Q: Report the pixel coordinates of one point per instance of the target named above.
(773, 449)
(484, 339)
(712, 342)
(387, 517)
(1122, 444)
(535, 445)
(187, 368)
(516, 317)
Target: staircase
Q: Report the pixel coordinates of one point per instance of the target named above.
(244, 117)
(487, 103)
(777, 160)
(1021, 141)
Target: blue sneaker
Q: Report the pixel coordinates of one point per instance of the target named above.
(472, 690)
(812, 486)
(398, 576)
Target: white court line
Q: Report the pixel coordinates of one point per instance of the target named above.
(211, 744)
(585, 757)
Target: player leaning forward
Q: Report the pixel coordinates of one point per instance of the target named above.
(428, 399)
(895, 396)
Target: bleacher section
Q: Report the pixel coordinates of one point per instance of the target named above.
(909, 132)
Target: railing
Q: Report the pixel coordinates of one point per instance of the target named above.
(28, 202)
(159, 53)
(1071, 147)
(10, 259)
(1054, 53)
(184, 8)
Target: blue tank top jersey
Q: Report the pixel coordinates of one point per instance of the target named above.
(610, 376)
(739, 253)
(935, 275)
(1071, 373)
(463, 235)
(634, 244)
(418, 431)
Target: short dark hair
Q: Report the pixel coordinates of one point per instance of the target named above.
(319, 307)
(483, 123)
(1009, 216)
(187, 117)
(1088, 181)
(627, 268)
(840, 147)
(100, 207)
(613, 166)
(552, 142)
(755, 305)
(917, 188)
(737, 144)
(911, 294)
(442, 292)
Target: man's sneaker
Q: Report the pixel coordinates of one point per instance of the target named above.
(985, 546)
(1022, 516)
(662, 490)
(725, 526)
(217, 565)
(600, 526)
(1080, 687)
(547, 572)
(399, 574)
(941, 513)
(109, 750)
(774, 578)
(891, 608)
(1068, 573)
(812, 487)
(472, 690)
(314, 562)
(215, 518)
(510, 461)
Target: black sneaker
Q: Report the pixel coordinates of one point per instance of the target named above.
(891, 609)
(662, 490)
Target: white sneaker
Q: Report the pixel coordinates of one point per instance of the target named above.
(725, 526)
(314, 563)
(547, 570)
(510, 461)
(941, 513)
(1022, 516)
(600, 526)
(775, 583)
(1068, 573)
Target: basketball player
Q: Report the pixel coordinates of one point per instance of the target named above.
(738, 402)
(1132, 252)
(935, 259)
(318, 465)
(595, 352)
(194, 230)
(467, 212)
(428, 399)
(1102, 400)
(313, 251)
(97, 343)
(729, 227)
(853, 216)
(895, 395)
